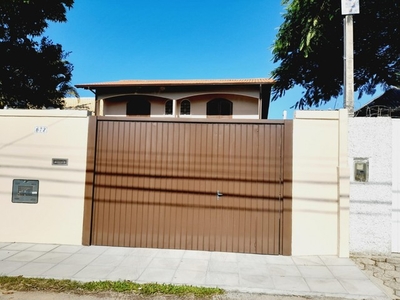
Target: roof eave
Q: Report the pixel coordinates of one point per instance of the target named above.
(127, 83)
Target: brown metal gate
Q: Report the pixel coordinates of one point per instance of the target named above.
(196, 185)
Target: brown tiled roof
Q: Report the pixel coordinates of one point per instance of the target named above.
(163, 82)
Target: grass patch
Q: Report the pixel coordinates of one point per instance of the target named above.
(59, 286)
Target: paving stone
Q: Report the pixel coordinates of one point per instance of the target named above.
(379, 258)
(387, 290)
(384, 277)
(394, 274)
(380, 283)
(385, 266)
(377, 274)
(369, 273)
(364, 260)
(394, 260)
(392, 284)
(375, 269)
(360, 265)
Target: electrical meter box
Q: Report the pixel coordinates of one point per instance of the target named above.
(361, 169)
(25, 191)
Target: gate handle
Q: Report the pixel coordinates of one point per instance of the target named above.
(219, 194)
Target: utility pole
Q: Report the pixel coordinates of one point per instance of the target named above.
(349, 8)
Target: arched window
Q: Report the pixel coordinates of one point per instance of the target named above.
(138, 107)
(185, 107)
(219, 107)
(168, 107)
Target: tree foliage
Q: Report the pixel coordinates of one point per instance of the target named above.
(34, 71)
(309, 49)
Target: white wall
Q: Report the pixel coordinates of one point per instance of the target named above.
(371, 202)
(320, 203)
(396, 185)
(27, 154)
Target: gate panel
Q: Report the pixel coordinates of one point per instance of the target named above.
(156, 185)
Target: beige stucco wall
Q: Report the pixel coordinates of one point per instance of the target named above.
(114, 108)
(29, 139)
(320, 183)
(244, 107)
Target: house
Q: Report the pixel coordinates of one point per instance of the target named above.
(388, 104)
(216, 98)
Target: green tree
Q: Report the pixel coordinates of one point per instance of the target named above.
(34, 71)
(309, 49)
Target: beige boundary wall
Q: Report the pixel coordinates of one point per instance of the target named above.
(320, 222)
(29, 141)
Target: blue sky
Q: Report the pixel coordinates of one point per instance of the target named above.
(174, 39)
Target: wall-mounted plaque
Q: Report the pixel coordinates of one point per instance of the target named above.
(59, 161)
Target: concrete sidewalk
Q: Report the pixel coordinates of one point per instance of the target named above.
(280, 275)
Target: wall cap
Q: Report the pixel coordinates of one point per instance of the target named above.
(65, 113)
(317, 114)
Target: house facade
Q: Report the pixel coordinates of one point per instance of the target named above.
(212, 98)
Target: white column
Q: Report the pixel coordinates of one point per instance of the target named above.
(174, 111)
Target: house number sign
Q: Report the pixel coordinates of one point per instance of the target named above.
(40, 129)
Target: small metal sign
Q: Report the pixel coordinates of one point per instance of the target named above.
(361, 169)
(40, 129)
(350, 7)
(25, 191)
(59, 161)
